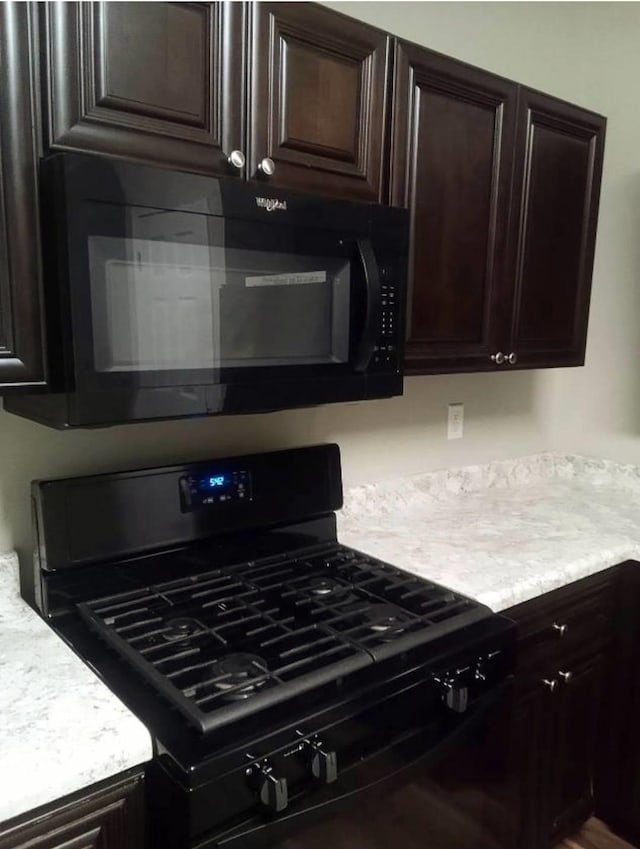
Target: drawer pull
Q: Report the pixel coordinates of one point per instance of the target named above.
(566, 676)
(550, 684)
(561, 630)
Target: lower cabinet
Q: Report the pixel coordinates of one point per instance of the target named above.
(566, 642)
(617, 779)
(574, 733)
(110, 816)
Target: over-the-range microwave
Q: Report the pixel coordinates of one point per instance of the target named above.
(171, 294)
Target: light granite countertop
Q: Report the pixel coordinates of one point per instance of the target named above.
(505, 532)
(61, 729)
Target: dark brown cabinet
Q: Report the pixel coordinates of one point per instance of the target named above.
(558, 167)
(158, 82)
(21, 339)
(565, 643)
(503, 186)
(453, 135)
(502, 182)
(165, 83)
(573, 744)
(109, 817)
(617, 780)
(318, 85)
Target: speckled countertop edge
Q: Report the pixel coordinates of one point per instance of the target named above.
(61, 729)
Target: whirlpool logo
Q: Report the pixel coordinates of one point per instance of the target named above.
(271, 204)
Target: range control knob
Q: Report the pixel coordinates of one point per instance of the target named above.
(324, 763)
(455, 694)
(457, 697)
(272, 791)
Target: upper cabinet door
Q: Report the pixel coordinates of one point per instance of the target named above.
(318, 84)
(559, 151)
(453, 128)
(21, 342)
(158, 82)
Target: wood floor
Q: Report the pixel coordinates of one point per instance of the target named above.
(594, 834)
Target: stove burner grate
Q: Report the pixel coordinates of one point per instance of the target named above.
(222, 644)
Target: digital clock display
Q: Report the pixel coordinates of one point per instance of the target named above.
(215, 488)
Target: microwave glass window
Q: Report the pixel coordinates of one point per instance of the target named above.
(174, 296)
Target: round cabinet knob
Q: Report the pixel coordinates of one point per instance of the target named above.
(566, 676)
(267, 166)
(550, 684)
(560, 630)
(237, 159)
(498, 358)
(512, 359)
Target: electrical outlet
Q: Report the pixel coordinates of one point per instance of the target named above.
(455, 422)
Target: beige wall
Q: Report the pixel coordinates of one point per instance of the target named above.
(585, 52)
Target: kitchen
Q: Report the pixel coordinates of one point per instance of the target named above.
(583, 53)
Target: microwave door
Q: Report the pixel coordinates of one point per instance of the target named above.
(180, 299)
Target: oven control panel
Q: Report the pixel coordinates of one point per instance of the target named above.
(214, 487)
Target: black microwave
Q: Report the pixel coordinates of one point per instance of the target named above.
(173, 294)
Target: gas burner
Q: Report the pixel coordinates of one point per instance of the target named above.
(239, 676)
(324, 587)
(386, 620)
(180, 628)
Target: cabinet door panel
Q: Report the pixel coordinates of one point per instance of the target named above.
(452, 140)
(159, 82)
(530, 745)
(617, 774)
(318, 100)
(21, 342)
(557, 182)
(109, 817)
(579, 704)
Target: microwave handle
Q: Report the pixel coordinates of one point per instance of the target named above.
(371, 326)
(337, 797)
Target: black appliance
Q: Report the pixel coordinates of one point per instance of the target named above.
(172, 294)
(299, 692)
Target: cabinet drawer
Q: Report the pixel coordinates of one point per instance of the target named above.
(558, 626)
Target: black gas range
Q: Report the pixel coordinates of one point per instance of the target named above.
(280, 673)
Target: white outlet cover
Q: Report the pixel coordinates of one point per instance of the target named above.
(455, 421)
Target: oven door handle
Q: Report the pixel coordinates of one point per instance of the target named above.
(371, 327)
(334, 797)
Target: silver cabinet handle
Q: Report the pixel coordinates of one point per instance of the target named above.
(550, 684)
(267, 166)
(512, 359)
(498, 358)
(237, 159)
(566, 676)
(560, 630)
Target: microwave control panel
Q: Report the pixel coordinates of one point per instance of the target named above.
(386, 353)
(214, 487)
